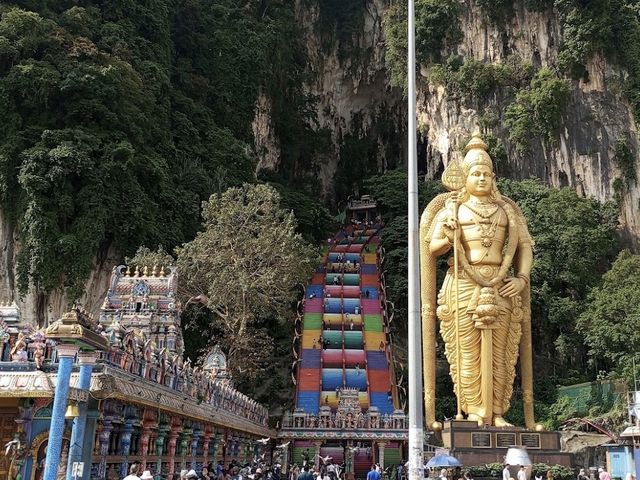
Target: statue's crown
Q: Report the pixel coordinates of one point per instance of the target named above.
(476, 154)
(455, 175)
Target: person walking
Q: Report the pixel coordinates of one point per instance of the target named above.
(305, 474)
(133, 472)
(603, 474)
(506, 475)
(373, 474)
(522, 473)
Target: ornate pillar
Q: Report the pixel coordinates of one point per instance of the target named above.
(163, 430)
(381, 446)
(105, 441)
(125, 446)
(206, 439)
(86, 361)
(184, 447)
(66, 355)
(285, 459)
(214, 448)
(176, 427)
(195, 439)
(316, 454)
(144, 442)
(225, 446)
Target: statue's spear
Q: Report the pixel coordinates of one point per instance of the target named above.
(457, 316)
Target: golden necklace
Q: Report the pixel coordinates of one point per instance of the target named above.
(486, 226)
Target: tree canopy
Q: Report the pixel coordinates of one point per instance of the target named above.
(610, 323)
(244, 266)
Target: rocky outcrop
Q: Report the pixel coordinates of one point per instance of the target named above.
(39, 308)
(351, 92)
(583, 154)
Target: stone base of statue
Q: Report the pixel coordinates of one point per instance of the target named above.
(474, 445)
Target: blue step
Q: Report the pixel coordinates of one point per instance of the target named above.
(332, 305)
(310, 358)
(382, 401)
(370, 292)
(377, 360)
(368, 269)
(308, 401)
(316, 290)
(350, 305)
(331, 378)
(356, 379)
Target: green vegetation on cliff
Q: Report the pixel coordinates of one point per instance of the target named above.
(121, 117)
(436, 26)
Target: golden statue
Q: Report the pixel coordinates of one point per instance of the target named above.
(484, 302)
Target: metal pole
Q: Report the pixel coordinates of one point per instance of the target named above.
(416, 429)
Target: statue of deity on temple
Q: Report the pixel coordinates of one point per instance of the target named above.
(483, 304)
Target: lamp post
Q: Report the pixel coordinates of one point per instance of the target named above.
(416, 430)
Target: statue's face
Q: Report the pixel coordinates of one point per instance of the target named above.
(479, 180)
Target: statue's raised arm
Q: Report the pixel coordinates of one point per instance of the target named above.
(484, 302)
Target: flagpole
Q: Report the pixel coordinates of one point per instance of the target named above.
(416, 429)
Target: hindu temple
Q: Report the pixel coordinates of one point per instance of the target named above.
(86, 397)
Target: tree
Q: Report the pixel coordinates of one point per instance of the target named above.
(610, 322)
(145, 257)
(244, 266)
(575, 243)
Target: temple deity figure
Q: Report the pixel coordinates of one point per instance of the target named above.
(484, 302)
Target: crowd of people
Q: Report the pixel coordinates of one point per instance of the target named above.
(328, 470)
(255, 470)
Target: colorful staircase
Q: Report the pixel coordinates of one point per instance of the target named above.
(343, 339)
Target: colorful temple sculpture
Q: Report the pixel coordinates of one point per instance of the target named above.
(347, 405)
(88, 396)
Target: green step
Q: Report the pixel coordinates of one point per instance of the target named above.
(353, 340)
(334, 337)
(372, 323)
(312, 321)
(352, 279)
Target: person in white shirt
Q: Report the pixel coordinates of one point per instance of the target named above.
(133, 472)
(506, 475)
(522, 473)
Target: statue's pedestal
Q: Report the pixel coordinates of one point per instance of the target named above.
(474, 445)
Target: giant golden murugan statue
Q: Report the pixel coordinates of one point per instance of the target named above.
(484, 303)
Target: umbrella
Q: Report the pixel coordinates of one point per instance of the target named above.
(443, 460)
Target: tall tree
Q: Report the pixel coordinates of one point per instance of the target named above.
(610, 322)
(244, 266)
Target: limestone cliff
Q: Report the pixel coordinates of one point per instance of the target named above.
(350, 83)
(581, 155)
(40, 309)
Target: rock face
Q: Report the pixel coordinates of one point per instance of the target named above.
(352, 93)
(354, 97)
(40, 309)
(583, 154)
